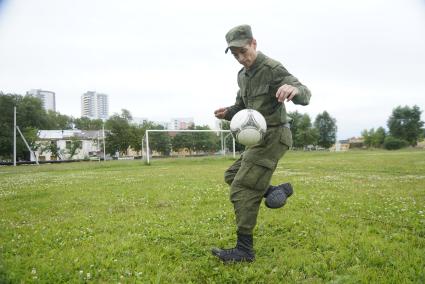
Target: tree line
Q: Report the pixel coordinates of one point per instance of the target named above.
(322, 132)
(121, 132)
(404, 129)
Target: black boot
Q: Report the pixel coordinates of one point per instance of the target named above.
(243, 251)
(276, 195)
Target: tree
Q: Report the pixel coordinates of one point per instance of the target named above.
(53, 148)
(305, 134)
(86, 123)
(296, 118)
(379, 137)
(136, 136)
(118, 137)
(182, 141)
(204, 141)
(367, 137)
(160, 141)
(374, 138)
(405, 123)
(30, 112)
(7, 103)
(393, 143)
(30, 117)
(73, 146)
(326, 128)
(55, 120)
(126, 114)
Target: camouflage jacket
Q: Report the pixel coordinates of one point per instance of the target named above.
(258, 87)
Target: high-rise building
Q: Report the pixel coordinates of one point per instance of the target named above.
(47, 98)
(181, 123)
(94, 105)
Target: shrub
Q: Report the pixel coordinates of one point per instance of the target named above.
(392, 143)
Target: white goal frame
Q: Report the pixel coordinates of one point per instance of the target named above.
(146, 138)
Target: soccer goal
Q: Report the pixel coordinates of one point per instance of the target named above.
(146, 149)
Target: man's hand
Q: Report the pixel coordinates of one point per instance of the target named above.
(287, 92)
(221, 112)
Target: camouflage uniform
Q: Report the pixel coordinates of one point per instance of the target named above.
(249, 177)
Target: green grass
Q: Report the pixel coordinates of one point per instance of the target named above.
(355, 217)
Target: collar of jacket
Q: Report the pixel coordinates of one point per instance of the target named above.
(257, 63)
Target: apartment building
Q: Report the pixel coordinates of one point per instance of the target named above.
(94, 105)
(47, 98)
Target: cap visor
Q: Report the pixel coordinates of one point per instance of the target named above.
(237, 43)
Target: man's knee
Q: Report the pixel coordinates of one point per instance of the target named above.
(229, 177)
(255, 175)
(230, 173)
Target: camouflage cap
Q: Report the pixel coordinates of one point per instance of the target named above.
(238, 36)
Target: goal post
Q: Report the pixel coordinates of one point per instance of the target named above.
(146, 148)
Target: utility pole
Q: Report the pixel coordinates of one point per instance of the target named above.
(104, 148)
(14, 136)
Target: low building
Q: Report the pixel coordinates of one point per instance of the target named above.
(345, 145)
(341, 145)
(356, 142)
(69, 144)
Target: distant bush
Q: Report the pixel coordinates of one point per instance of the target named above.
(392, 143)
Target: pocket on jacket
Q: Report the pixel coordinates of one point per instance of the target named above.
(260, 90)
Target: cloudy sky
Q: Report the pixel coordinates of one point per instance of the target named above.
(165, 59)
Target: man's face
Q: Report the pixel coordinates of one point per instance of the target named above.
(245, 55)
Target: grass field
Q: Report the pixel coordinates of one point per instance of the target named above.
(355, 217)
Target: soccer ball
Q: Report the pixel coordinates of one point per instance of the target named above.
(248, 126)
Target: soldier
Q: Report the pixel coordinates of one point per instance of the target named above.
(264, 85)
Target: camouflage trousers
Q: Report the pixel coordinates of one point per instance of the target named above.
(250, 176)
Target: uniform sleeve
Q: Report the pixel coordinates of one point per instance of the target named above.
(281, 76)
(232, 110)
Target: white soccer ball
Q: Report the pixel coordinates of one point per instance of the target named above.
(248, 126)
